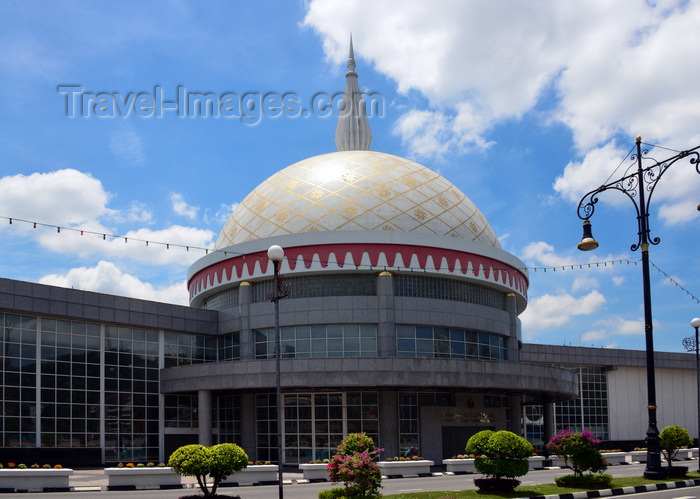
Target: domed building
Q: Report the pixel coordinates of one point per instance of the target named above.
(401, 320)
(397, 313)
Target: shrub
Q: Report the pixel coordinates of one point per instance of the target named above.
(588, 481)
(218, 461)
(357, 469)
(579, 451)
(672, 438)
(501, 457)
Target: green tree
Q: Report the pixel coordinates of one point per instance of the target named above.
(672, 438)
(218, 461)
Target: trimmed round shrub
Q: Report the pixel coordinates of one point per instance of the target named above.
(218, 461)
(478, 442)
(501, 457)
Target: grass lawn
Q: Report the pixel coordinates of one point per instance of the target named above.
(532, 490)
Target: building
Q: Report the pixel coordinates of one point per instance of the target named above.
(402, 323)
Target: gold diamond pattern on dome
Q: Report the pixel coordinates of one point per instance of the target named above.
(356, 190)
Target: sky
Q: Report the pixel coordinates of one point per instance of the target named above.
(524, 106)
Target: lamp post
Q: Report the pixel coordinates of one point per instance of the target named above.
(638, 184)
(276, 254)
(691, 344)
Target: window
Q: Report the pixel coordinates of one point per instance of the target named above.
(451, 343)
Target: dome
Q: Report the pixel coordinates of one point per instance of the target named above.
(356, 191)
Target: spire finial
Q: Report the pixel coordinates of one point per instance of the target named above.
(351, 57)
(352, 132)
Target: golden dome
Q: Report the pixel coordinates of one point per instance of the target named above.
(356, 191)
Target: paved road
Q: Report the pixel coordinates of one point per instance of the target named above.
(91, 480)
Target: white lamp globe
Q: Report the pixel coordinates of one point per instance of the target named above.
(275, 253)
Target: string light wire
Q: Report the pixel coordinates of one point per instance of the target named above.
(148, 243)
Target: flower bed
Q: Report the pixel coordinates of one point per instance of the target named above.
(315, 471)
(257, 474)
(406, 468)
(459, 465)
(35, 479)
(155, 477)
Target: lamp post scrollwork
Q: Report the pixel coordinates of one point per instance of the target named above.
(638, 185)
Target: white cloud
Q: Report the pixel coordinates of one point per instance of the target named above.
(584, 283)
(221, 215)
(608, 328)
(556, 310)
(543, 253)
(165, 246)
(182, 208)
(79, 201)
(66, 196)
(618, 280)
(126, 146)
(135, 212)
(595, 169)
(105, 277)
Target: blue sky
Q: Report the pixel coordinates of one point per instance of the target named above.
(525, 106)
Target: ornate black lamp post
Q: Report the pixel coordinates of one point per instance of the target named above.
(638, 184)
(691, 344)
(276, 254)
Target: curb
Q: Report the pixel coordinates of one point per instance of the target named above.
(624, 490)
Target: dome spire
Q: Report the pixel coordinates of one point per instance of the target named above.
(352, 132)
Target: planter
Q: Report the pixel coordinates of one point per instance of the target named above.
(142, 478)
(557, 461)
(684, 455)
(405, 468)
(460, 466)
(258, 474)
(315, 471)
(536, 462)
(33, 479)
(639, 456)
(617, 457)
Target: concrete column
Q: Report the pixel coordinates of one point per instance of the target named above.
(516, 414)
(513, 348)
(248, 430)
(247, 338)
(547, 427)
(548, 421)
(204, 410)
(386, 328)
(389, 423)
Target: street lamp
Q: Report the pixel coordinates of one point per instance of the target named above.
(691, 344)
(276, 254)
(638, 184)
